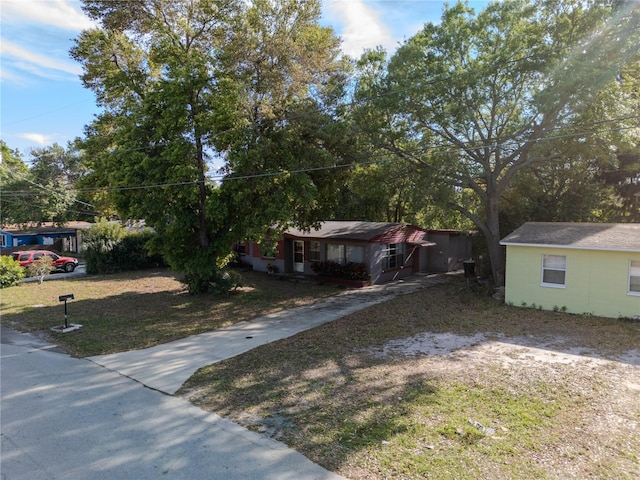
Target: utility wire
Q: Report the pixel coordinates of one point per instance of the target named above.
(444, 78)
(442, 149)
(354, 102)
(386, 159)
(18, 176)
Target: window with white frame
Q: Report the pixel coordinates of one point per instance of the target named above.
(392, 255)
(335, 253)
(554, 270)
(314, 251)
(344, 254)
(354, 254)
(634, 277)
(3, 240)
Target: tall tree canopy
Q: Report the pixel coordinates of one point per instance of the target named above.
(190, 86)
(291, 112)
(474, 98)
(44, 192)
(153, 66)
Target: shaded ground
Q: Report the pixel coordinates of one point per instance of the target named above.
(444, 384)
(135, 310)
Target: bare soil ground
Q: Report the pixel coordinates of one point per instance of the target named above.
(601, 425)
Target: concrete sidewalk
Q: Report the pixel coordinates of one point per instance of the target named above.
(166, 367)
(67, 418)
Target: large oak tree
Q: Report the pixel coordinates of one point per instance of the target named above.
(189, 87)
(473, 98)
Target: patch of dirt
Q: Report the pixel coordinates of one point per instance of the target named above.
(500, 348)
(607, 421)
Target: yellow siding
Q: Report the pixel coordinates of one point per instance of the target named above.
(597, 282)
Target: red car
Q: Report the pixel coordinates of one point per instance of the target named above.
(67, 264)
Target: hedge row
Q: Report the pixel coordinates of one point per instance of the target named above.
(350, 271)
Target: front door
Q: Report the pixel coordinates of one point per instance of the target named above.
(298, 256)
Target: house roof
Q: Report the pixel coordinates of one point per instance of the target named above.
(590, 236)
(361, 231)
(46, 227)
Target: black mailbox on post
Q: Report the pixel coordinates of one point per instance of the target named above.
(64, 298)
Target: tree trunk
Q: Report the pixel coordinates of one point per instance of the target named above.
(492, 236)
(203, 235)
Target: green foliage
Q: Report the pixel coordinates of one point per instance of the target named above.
(565, 190)
(226, 281)
(132, 253)
(350, 271)
(40, 268)
(99, 240)
(624, 180)
(268, 248)
(45, 192)
(10, 271)
(202, 275)
(214, 79)
(110, 249)
(480, 97)
(13, 172)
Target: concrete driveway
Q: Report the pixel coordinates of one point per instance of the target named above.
(66, 418)
(166, 367)
(108, 417)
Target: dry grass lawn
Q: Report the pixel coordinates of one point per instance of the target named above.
(444, 384)
(134, 310)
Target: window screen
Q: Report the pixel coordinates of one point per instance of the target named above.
(554, 269)
(634, 276)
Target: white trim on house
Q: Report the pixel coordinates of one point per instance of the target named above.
(543, 269)
(632, 273)
(570, 247)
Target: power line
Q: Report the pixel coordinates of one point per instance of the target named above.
(49, 112)
(442, 148)
(354, 102)
(468, 145)
(50, 190)
(225, 177)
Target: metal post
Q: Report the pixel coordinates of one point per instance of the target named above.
(64, 298)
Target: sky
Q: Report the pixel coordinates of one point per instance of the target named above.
(42, 100)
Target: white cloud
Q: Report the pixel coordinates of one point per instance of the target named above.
(7, 76)
(35, 62)
(39, 138)
(362, 26)
(63, 14)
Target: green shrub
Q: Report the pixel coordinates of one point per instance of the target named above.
(110, 249)
(226, 281)
(99, 240)
(132, 253)
(10, 272)
(350, 271)
(202, 275)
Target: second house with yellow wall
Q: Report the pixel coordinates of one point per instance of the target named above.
(583, 268)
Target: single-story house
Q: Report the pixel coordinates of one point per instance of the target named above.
(387, 251)
(583, 268)
(66, 238)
